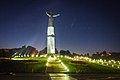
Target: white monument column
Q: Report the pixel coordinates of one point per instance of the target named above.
(51, 33)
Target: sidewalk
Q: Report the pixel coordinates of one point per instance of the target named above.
(54, 66)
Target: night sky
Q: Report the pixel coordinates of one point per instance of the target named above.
(84, 26)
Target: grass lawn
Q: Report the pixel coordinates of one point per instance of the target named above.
(88, 67)
(23, 65)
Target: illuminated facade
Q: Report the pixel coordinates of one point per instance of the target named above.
(51, 33)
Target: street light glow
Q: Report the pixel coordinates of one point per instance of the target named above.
(32, 55)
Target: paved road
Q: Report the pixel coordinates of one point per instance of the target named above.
(25, 76)
(36, 76)
(58, 76)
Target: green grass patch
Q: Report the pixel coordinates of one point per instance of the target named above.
(23, 65)
(88, 67)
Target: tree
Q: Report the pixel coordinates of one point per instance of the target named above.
(75, 54)
(63, 52)
(87, 55)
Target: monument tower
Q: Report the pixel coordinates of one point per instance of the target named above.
(51, 33)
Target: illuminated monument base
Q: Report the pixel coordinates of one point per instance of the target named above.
(50, 33)
(50, 44)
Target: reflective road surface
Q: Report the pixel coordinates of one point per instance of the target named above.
(58, 76)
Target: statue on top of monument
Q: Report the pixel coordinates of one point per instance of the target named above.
(51, 14)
